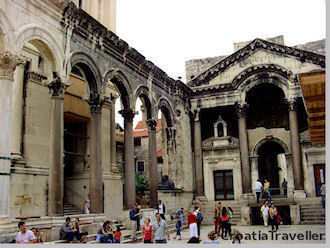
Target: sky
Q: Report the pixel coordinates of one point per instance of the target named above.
(170, 32)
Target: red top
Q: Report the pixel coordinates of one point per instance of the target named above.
(191, 218)
(224, 218)
(147, 230)
(117, 235)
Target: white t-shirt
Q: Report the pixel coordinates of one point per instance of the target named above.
(161, 208)
(25, 238)
(258, 186)
(265, 211)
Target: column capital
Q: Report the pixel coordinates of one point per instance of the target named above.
(152, 124)
(96, 104)
(56, 87)
(292, 104)
(128, 114)
(241, 109)
(8, 63)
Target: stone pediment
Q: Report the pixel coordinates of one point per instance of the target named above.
(259, 52)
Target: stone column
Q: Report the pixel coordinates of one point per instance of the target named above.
(113, 156)
(8, 63)
(153, 170)
(198, 156)
(295, 146)
(244, 150)
(95, 170)
(55, 190)
(130, 194)
(17, 112)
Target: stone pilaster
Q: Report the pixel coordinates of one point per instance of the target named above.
(96, 170)
(17, 111)
(198, 156)
(295, 146)
(55, 195)
(244, 150)
(130, 193)
(113, 156)
(153, 172)
(8, 64)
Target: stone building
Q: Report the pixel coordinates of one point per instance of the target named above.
(258, 112)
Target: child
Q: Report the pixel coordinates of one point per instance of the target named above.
(147, 231)
(212, 238)
(117, 235)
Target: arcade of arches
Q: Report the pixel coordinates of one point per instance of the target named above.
(241, 120)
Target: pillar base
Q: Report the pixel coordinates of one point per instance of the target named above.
(299, 195)
(295, 214)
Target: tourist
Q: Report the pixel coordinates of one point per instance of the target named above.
(133, 218)
(274, 217)
(322, 192)
(199, 219)
(161, 209)
(66, 231)
(217, 218)
(267, 190)
(147, 231)
(192, 223)
(160, 230)
(87, 205)
(24, 236)
(285, 187)
(117, 235)
(265, 212)
(37, 234)
(212, 238)
(179, 222)
(138, 217)
(230, 214)
(224, 223)
(81, 236)
(258, 188)
(106, 233)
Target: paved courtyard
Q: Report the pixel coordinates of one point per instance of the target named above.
(299, 234)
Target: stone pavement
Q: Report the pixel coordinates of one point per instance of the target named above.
(287, 233)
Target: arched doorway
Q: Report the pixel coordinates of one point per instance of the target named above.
(268, 164)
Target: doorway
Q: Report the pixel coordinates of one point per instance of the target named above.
(223, 185)
(319, 177)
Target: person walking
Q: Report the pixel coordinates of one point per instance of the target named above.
(24, 236)
(217, 219)
(274, 217)
(160, 230)
(230, 214)
(179, 223)
(161, 209)
(322, 192)
(133, 215)
(258, 188)
(265, 212)
(138, 217)
(147, 231)
(192, 223)
(199, 220)
(224, 223)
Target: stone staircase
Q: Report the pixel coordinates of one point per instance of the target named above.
(69, 209)
(312, 213)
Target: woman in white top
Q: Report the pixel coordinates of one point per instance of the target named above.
(265, 213)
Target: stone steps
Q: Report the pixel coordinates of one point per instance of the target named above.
(312, 213)
(69, 209)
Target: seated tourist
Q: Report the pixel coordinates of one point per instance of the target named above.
(66, 231)
(81, 236)
(37, 234)
(24, 236)
(105, 234)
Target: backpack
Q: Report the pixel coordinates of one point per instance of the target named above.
(199, 217)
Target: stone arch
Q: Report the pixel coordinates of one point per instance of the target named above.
(166, 108)
(93, 76)
(7, 31)
(259, 74)
(261, 142)
(119, 79)
(142, 92)
(35, 32)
